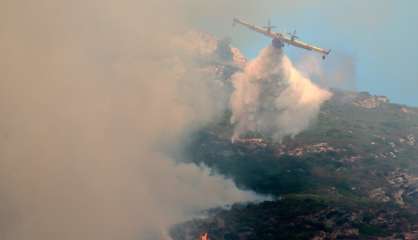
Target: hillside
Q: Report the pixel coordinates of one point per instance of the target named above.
(353, 174)
(358, 161)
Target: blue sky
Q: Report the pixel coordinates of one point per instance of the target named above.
(380, 37)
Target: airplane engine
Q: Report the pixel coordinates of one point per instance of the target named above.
(277, 43)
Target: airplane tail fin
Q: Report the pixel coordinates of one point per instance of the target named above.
(326, 54)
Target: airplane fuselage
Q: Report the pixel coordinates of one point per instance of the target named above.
(280, 39)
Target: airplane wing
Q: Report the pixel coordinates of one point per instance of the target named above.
(300, 44)
(255, 28)
(291, 40)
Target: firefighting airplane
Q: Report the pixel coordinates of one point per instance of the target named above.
(279, 39)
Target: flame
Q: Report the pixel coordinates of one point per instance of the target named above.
(204, 236)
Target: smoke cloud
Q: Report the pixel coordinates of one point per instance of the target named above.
(273, 98)
(339, 73)
(89, 92)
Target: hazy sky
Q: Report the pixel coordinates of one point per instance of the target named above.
(378, 36)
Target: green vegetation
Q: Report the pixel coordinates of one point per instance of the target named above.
(337, 178)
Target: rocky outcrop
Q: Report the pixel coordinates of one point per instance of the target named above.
(365, 100)
(322, 147)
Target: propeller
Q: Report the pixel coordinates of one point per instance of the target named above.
(269, 26)
(293, 35)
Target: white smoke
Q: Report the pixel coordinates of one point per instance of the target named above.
(337, 72)
(273, 98)
(88, 91)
